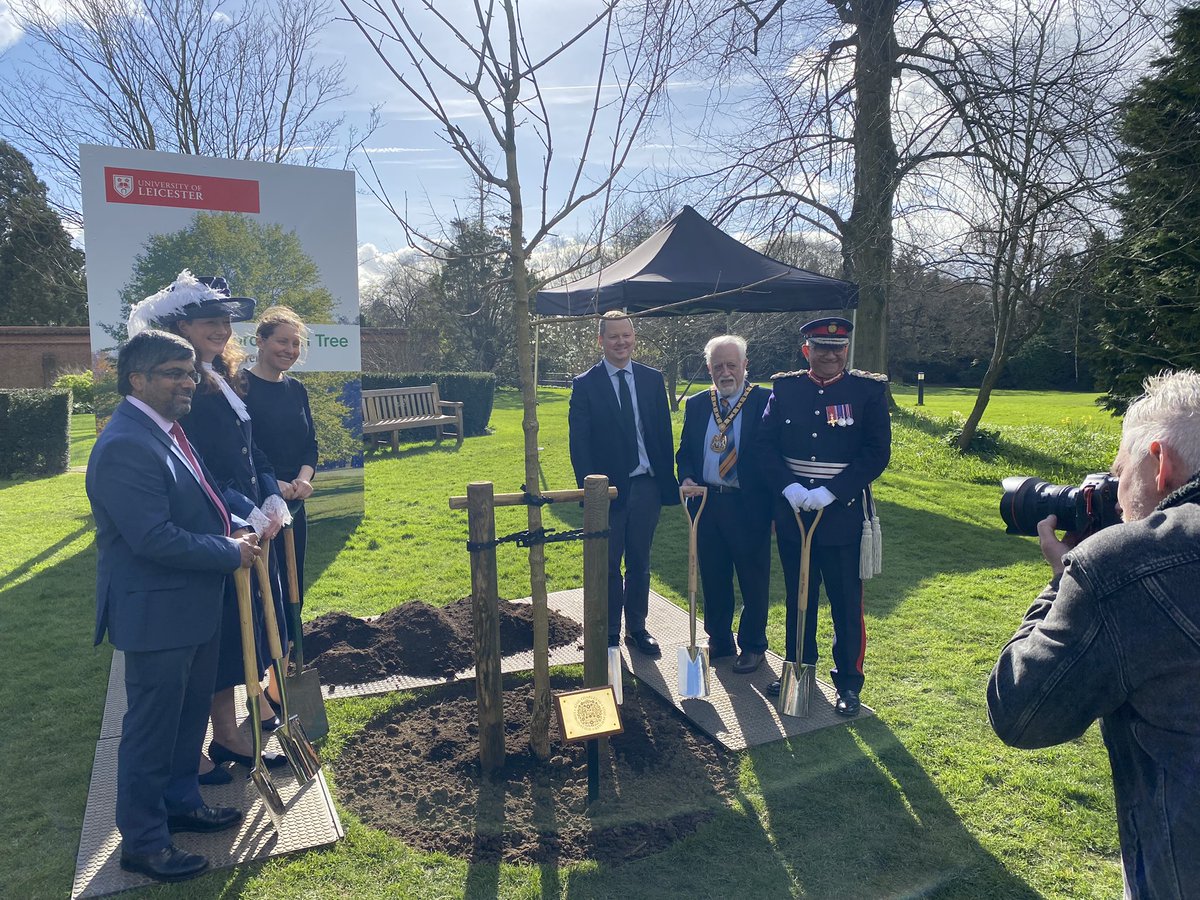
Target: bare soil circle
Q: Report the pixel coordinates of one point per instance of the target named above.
(417, 638)
(414, 773)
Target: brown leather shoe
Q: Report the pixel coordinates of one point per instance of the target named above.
(748, 661)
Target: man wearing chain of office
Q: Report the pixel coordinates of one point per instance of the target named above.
(825, 436)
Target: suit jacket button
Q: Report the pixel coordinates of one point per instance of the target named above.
(253, 480)
(244, 451)
(787, 421)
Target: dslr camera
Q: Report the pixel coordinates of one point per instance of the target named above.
(1083, 509)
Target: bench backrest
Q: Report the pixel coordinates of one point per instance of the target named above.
(400, 403)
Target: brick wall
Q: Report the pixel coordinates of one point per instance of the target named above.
(32, 357)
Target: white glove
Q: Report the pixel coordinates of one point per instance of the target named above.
(258, 521)
(818, 498)
(796, 495)
(276, 509)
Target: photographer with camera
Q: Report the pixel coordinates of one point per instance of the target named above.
(1115, 636)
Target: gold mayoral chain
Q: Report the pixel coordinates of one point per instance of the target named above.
(721, 439)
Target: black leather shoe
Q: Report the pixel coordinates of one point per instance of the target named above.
(215, 775)
(748, 661)
(614, 640)
(774, 688)
(645, 642)
(269, 725)
(205, 818)
(847, 704)
(219, 753)
(168, 864)
(720, 652)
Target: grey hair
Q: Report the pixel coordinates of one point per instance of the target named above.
(1168, 411)
(613, 315)
(145, 351)
(720, 341)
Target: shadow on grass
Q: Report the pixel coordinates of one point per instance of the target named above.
(844, 812)
(918, 544)
(48, 552)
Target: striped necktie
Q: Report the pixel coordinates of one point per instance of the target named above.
(727, 465)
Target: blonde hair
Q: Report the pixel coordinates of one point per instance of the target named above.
(613, 315)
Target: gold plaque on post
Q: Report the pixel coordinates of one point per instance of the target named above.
(588, 713)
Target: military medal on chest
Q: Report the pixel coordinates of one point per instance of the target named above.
(841, 414)
(721, 439)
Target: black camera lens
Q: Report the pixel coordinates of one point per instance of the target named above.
(1083, 508)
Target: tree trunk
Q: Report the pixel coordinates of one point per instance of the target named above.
(994, 370)
(539, 727)
(868, 230)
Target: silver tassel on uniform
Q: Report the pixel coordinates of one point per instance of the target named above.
(870, 548)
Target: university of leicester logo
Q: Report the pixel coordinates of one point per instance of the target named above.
(123, 184)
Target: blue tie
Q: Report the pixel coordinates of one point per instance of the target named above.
(628, 422)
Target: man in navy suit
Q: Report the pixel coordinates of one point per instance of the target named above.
(620, 426)
(165, 543)
(717, 449)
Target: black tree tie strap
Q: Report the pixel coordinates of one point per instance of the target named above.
(531, 500)
(541, 536)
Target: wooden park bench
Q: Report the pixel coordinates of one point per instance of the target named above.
(397, 409)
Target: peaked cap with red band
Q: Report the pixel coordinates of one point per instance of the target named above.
(833, 331)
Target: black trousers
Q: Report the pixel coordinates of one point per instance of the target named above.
(631, 532)
(835, 566)
(168, 693)
(734, 535)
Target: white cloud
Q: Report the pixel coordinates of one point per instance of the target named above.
(374, 263)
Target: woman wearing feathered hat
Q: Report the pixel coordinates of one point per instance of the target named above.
(200, 310)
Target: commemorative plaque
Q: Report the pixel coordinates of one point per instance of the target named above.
(588, 713)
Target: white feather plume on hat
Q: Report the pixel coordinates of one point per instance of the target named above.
(189, 297)
(168, 303)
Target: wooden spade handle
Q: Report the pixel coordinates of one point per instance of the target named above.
(241, 581)
(806, 541)
(289, 552)
(685, 492)
(269, 618)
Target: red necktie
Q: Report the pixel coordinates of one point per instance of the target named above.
(182, 441)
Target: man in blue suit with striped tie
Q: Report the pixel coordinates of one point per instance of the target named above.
(165, 543)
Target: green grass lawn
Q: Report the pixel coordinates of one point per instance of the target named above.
(921, 801)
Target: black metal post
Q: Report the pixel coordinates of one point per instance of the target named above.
(920, 389)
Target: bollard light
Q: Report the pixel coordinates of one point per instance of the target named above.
(920, 389)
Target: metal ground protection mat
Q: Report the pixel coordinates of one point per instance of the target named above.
(737, 712)
(309, 820)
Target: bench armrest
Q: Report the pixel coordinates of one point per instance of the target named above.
(453, 404)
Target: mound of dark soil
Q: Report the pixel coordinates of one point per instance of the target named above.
(416, 638)
(415, 774)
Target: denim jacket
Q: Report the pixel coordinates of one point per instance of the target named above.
(1118, 639)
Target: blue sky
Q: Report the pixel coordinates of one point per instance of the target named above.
(416, 167)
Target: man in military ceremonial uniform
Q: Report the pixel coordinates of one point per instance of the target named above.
(825, 436)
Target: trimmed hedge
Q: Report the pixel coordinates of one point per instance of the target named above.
(476, 390)
(35, 431)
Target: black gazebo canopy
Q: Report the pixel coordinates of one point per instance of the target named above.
(691, 258)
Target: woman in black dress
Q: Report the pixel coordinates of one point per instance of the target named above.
(219, 429)
(284, 428)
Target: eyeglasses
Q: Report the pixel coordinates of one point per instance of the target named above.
(177, 375)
